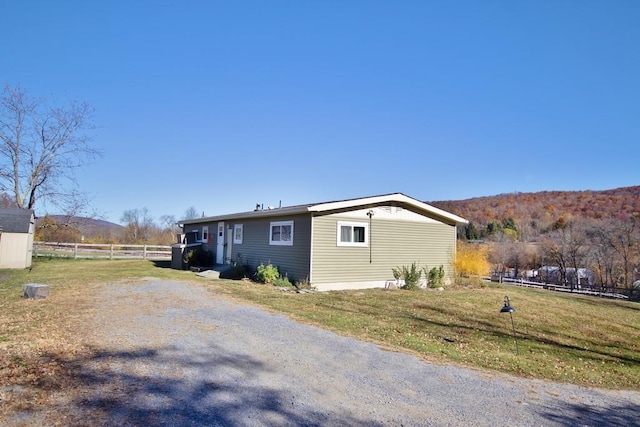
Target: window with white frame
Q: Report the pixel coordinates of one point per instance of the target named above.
(205, 233)
(281, 233)
(237, 233)
(353, 234)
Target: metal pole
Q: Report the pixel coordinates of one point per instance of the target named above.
(514, 332)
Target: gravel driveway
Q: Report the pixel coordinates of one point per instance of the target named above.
(178, 354)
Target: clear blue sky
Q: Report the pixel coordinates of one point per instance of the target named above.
(220, 105)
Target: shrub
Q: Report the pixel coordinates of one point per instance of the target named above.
(435, 276)
(267, 273)
(303, 284)
(410, 274)
(282, 282)
(472, 260)
(198, 258)
(239, 269)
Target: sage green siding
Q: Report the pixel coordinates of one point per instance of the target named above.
(392, 243)
(292, 261)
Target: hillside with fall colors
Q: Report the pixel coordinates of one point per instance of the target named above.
(534, 214)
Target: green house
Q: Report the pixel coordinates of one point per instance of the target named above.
(347, 244)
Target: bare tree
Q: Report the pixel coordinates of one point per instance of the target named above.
(567, 248)
(604, 256)
(41, 144)
(138, 225)
(625, 241)
(191, 213)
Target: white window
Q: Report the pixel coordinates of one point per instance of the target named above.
(353, 234)
(237, 233)
(205, 233)
(196, 233)
(281, 233)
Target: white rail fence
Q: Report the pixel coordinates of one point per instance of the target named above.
(100, 251)
(608, 292)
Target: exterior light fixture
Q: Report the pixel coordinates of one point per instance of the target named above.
(507, 308)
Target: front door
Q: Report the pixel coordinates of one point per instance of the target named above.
(229, 245)
(220, 244)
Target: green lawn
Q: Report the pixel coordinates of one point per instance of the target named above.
(574, 339)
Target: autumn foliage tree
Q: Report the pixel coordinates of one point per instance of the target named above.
(472, 260)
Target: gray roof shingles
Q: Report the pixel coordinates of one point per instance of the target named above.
(15, 220)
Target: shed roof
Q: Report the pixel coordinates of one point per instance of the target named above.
(15, 220)
(340, 205)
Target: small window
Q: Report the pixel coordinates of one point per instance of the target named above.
(205, 233)
(353, 234)
(281, 233)
(196, 234)
(237, 233)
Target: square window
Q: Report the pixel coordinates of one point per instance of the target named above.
(281, 233)
(352, 234)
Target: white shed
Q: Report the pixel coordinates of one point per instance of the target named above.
(17, 227)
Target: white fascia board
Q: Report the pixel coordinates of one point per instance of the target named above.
(388, 198)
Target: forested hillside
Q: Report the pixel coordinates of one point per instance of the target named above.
(533, 214)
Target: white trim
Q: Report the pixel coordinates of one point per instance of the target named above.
(396, 197)
(352, 224)
(204, 237)
(237, 227)
(281, 224)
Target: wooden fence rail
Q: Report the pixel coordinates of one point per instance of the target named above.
(632, 294)
(97, 251)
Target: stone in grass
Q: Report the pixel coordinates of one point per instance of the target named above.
(35, 290)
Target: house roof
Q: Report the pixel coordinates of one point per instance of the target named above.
(341, 205)
(15, 220)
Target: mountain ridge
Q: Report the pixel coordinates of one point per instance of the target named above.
(541, 210)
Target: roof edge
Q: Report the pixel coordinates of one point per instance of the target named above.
(335, 205)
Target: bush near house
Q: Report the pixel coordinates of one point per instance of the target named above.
(411, 275)
(199, 258)
(435, 276)
(267, 273)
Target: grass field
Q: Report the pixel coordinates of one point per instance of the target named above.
(568, 338)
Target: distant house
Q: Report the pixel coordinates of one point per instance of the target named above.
(17, 227)
(553, 274)
(348, 244)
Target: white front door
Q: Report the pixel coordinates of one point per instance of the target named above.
(220, 244)
(229, 245)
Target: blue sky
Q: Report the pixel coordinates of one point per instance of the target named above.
(220, 105)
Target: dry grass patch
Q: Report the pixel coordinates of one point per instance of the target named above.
(41, 340)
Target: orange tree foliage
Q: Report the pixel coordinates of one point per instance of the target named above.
(542, 211)
(472, 259)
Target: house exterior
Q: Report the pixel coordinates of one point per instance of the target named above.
(348, 244)
(16, 237)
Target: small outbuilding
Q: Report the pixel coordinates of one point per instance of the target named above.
(17, 228)
(347, 244)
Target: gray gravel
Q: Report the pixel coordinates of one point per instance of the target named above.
(178, 354)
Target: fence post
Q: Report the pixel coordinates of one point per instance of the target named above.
(111, 251)
(144, 252)
(75, 251)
